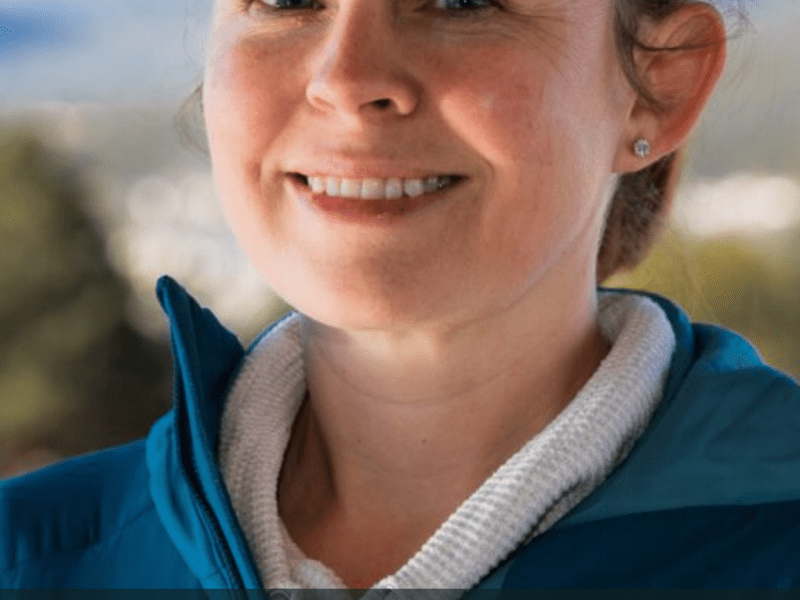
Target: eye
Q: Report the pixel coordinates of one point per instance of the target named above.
(292, 9)
(284, 4)
(463, 5)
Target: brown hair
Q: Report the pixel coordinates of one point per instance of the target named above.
(641, 201)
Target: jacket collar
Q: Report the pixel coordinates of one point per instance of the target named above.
(186, 484)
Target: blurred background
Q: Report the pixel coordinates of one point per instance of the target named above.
(99, 195)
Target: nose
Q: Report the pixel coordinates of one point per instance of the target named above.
(358, 72)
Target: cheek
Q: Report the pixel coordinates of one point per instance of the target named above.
(246, 107)
(522, 121)
(244, 100)
(497, 113)
(517, 128)
(528, 126)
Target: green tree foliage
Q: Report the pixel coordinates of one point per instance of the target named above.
(750, 285)
(74, 375)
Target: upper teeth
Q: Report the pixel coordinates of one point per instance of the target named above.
(376, 189)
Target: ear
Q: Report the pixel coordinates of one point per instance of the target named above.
(681, 79)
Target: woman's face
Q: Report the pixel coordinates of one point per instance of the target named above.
(523, 100)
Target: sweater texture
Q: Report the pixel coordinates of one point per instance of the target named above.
(535, 487)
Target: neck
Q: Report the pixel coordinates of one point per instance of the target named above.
(400, 428)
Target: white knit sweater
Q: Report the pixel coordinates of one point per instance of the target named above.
(535, 487)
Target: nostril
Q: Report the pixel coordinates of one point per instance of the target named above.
(382, 103)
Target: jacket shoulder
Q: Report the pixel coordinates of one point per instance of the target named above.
(67, 525)
(70, 503)
(727, 432)
(705, 547)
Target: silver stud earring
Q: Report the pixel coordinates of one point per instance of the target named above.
(641, 148)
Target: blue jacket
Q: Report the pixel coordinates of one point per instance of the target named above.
(708, 498)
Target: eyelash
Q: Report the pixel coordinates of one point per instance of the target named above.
(315, 5)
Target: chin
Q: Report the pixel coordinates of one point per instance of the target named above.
(364, 314)
(352, 306)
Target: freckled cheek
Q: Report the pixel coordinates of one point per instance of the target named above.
(246, 102)
(246, 113)
(516, 125)
(501, 117)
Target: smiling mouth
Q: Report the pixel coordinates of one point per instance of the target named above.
(376, 189)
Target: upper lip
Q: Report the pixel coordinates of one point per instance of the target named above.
(368, 168)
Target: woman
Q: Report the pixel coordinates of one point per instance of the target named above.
(437, 186)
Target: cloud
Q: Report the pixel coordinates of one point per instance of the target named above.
(741, 202)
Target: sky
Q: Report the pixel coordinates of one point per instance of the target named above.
(136, 52)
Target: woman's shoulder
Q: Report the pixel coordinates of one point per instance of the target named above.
(717, 373)
(701, 547)
(710, 359)
(53, 518)
(709, 495)
(726, 432)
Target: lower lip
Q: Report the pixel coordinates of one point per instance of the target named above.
(370, 211)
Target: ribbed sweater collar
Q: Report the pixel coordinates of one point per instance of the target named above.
(529, 493)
